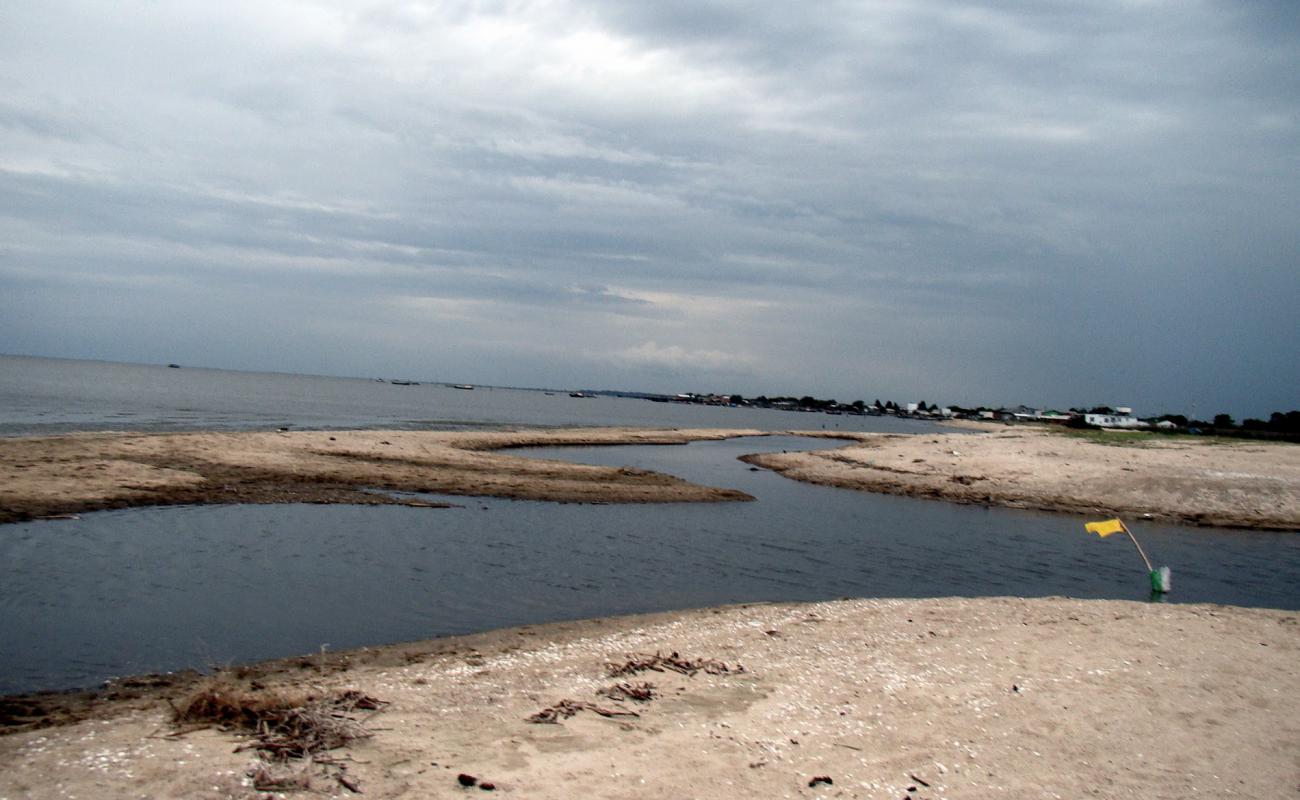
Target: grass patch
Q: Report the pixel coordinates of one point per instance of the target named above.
(1118, 438)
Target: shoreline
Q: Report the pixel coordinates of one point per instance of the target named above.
(51, 476)
(1239, 485)
(953, 697)
(1250, 485)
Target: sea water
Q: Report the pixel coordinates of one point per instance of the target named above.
(143, 590)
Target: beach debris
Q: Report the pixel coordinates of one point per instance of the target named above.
(640, 662)
(466, 779)
(268, 778)
(567, 708)
(826, 779)
(285, 726)
(918, 780)
(639, 692)
(487, 786)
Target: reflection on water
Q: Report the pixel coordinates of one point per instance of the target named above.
(152, 589)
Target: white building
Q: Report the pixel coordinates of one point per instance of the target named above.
(1114, 421)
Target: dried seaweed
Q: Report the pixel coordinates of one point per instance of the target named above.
(658, 662)
(284, 725)
(567, 708)
(638, 692)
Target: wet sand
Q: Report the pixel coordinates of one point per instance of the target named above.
(53, 475)
(1239, 484)
(954, 698)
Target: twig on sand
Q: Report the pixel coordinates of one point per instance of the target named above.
(639, 692)
(285, 727)
(567, 708)
(640, 662)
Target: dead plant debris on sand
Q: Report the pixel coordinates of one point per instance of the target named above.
(285, 726)
(567, 708)
(638, 692)
(659, 662)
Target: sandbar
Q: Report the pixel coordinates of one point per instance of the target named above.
(1238, 484)
(68, 474)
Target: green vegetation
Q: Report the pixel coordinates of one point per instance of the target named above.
(1143, 438)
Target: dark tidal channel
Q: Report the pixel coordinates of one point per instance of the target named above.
(147, 590)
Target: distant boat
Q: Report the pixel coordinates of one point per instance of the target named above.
(405, 383)
(173, 366)
(580, 394)
(467, 387)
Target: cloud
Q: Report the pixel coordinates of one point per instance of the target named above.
(675, 357)
(1013, 201)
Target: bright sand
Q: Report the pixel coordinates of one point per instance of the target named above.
(951, 698)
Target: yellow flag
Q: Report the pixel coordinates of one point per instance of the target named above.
(1105, 527)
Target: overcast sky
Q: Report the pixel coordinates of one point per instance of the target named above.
(1002, 202)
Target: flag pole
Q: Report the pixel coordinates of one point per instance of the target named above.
(1138, 546)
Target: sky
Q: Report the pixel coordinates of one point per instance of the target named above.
(1056, 204)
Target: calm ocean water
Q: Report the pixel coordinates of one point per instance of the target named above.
(144, 590)
(39, 395)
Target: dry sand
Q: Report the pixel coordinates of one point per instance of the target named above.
(52, 475)
(1238, 484)
(1241, 484)
(951, 698)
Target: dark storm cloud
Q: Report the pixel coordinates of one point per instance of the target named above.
(996, 202)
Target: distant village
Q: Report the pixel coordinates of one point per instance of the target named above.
(1279, 425)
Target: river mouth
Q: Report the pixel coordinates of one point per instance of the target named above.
(154, 589)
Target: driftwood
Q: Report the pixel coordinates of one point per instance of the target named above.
(659, 662)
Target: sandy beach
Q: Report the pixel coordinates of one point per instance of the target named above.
(1240, 484)
(954, 698)
(857, 698)
(43, 476)
(1237, 484)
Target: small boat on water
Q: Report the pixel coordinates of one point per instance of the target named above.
(580, 394)
(405, 383)
(467, 387)
(173, 366)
